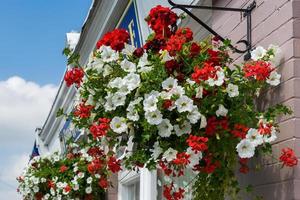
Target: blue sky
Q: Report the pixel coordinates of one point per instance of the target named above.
(32, 37)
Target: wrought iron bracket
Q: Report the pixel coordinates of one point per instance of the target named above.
(246, 13)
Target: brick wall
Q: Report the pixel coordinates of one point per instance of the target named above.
(273, 22)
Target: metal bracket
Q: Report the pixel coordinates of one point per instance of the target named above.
(246, 11)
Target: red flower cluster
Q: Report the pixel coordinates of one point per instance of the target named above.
(160, 19)
(116, 39)
(260, 70)
(204, 73)
(100, 129)
(95, 166)
(210, 165)
(95, 152)
(63, 168)
(103, 183)
(239, 131)
(194, 49)
(83, 111)
(176, 41)
(167, 103)
(182, 159)
(74, 76)
(244, 167)
(215, 57)
(288, 157)
(171, 66)
(265, 129)
(197, 143)
(113, 164)
(170, 195)
(214, 125)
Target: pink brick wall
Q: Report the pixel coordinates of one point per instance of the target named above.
(273, 22)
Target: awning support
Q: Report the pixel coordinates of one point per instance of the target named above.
(246, 11)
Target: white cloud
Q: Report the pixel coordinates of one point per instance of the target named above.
(24, 106)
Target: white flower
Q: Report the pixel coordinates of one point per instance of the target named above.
(254, 137)
(108, 54)
(220, 79)
(144, 64)
(277, 57)
(194, 157)
(116, 83)
(156, 151)
(118, 99)
(245, 149)
(199, 92)
(132, 81)
(97, 64)
(150, 103)
(80, 175)
(270, 138)
(165, 56)
(165, 128)
(107, 70)
(153, 118)
(169, 83)
(132, 113)
(194, 115)
(178, 91)
(47, 196)
(109, 106)
(52, 191)
(170, 154)
(36, 189)
(232, 90)
(190, 82)
(56, 158)
(128, 49)
(128, 66)
(222, 111)
(258, 53)
(88, 190)
(89, 180)
(60, 185)
(184, 128)
(118, 125)
(274, 78)
(203, 122)
(76, 187)
(184, 104)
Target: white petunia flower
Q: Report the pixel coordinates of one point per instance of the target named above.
(199, 92)
(184, 128)
(278, 55)
(170, 154)
(128, 49)
(169, 83)
(272, 137)
(107, 70)
(116, 83)
(165, 128)
(150, 103)
(76, 187)
(274, 78)
(190, 82)
(132, 81)
(88, 190)
(108, 54)
(156, 151)
(232, 90)
(184, 104)
(194, 115)
(203, 122)
(118, 99)
(245, 149)
(254, 137)
(89, 180)
(128, 66)
(144, 65)
(222, 111)
(36, 189)
(118, 125)
(194, 157)
(153, 118)
(109, 106)
(178, 91)
(97, 64)
(258, 53)
(165, 56)
(220, 78)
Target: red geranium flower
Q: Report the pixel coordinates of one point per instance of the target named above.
(116, 39)
(63, 168)
(214, 125)
(204, 73)
(239, 131)
(103, 183)
(83, 111)
(194, 49)
(288, 157)
(99, 130)
(197, 143)
(182, 159)
(186, 33)
(260, 70)
(74, 76)
(114, 165)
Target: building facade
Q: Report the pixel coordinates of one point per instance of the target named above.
(273, 22)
